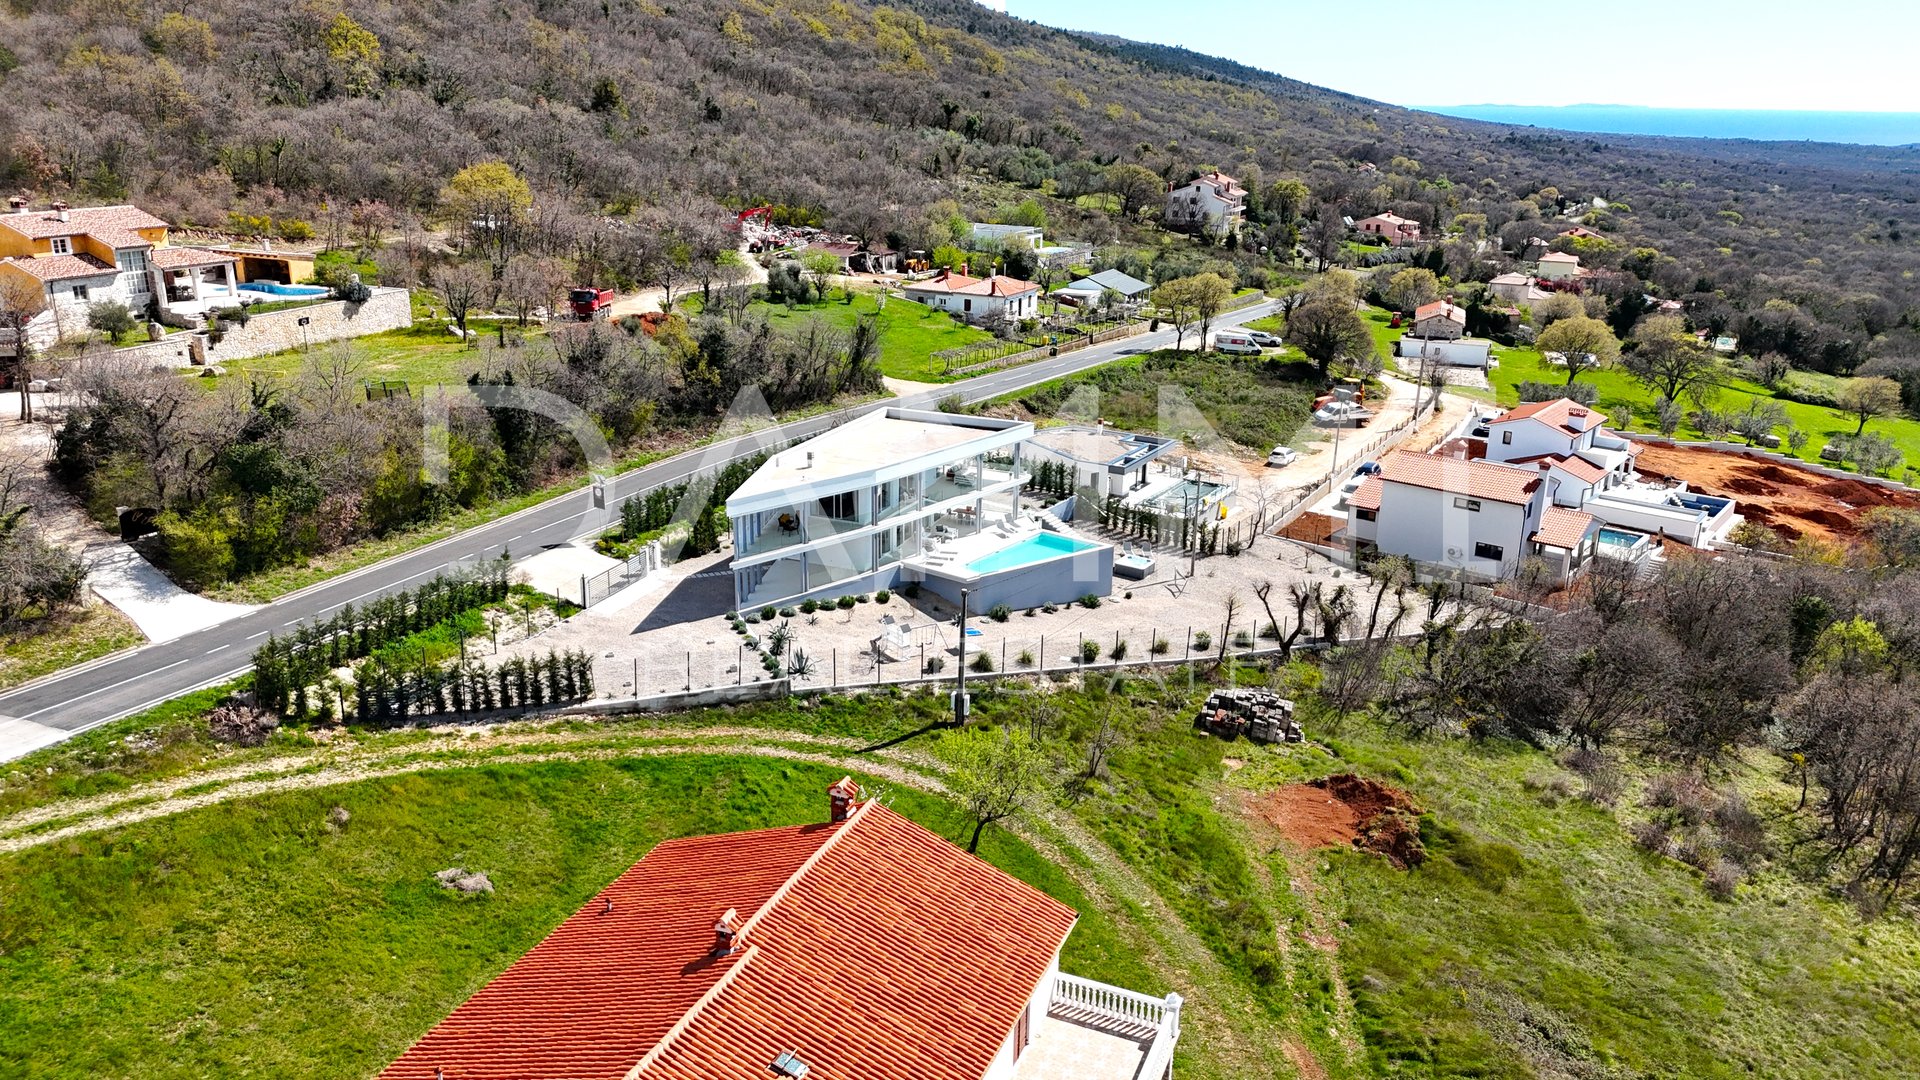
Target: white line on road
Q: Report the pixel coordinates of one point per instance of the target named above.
(217, 648)
(90, 693)
(261, 634)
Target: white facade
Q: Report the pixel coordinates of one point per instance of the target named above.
(1483, 537)
(1558, 266)
(1215, 200)
(977, 299)
(1466, 352)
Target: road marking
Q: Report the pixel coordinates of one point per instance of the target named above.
(514, 537)
(103, 689)
(217, 648)
(261, 634)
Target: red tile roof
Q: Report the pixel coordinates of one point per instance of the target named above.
(1558, 414)
(992, 285)
(1559, 256)
(1563, 528)
(1367, 495)
(40, 224)
(62, 267)
(1389, 218)
(1577, 467)
(1444, 309)
(872, 948)
(1479, 479)
(176, 258)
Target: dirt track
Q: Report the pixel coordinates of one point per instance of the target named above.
(1794, 502)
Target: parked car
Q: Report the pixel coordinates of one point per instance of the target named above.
(1282, 456)
(1342, 414)
(1264, 339)
(1235, 342)
(1346, 491)
(1367, 468)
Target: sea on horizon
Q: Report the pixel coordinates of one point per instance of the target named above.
(1864, 128)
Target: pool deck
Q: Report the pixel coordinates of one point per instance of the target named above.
(954, 558)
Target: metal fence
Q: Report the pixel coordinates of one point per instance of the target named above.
(611, 580)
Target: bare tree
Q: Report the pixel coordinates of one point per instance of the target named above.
(21, 300)
(1868, 397)
(462, 285)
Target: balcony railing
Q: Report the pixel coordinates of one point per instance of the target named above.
(1158, 1016)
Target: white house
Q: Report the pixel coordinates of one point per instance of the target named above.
(1468, 516)
(1106, 461)
(905, 496)
(976, 299)
(1215, 201)
(81, 256)
(1592, 469)
(1516, 288)
(862, 945)
(1457, 352)
(1092, 287)
(1558, 266)
(988, 237)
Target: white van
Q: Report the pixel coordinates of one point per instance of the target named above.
(1236, 342)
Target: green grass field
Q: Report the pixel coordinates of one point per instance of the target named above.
(1257, 403)
(420, 355)
(910, 333)
(40, 646)
(247, 937)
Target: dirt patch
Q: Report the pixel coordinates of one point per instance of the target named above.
(1792, 501)
(1311, 528)
(1347, 809)
(1303, 1060)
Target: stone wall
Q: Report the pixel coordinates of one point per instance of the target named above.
(278, 331)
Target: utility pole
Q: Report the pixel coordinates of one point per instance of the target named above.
(960, 669)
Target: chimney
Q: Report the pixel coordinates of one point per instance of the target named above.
(726, 933)
(266, 243)
(62, 215)
(16, 204)
(1579, 419)
(842, 798)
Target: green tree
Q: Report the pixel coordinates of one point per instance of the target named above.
(1412, 287)
(112, 318)
(487, 203)
(1850, 647)
(1586, 343)
(1668, 360)
(1329, 331)
(1135, 186)
(995, 775)
(1868, 397)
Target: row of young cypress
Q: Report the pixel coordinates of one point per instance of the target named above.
(391, 694)
(285, 666)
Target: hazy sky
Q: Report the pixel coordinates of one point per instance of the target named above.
(1706, 54)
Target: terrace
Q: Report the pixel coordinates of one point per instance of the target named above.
(1094, 1031)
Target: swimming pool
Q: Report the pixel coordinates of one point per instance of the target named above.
(1620, 537)
(1031, 550)
(276, 289)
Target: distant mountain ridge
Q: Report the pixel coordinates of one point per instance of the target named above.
(1834, 126)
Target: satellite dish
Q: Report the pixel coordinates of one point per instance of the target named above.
(1454, 553)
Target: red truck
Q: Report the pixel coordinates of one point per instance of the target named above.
(588, 301)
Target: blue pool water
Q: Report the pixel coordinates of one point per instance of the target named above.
(1031, 550)
(278, 289)
(1618, 537)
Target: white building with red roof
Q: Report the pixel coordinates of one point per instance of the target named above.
(995, 296)
(1558, 266)
(1442, 320)
(1465, 515)
(1214, 201)
(855, 948)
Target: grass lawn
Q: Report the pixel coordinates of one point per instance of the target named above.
(71, 637)
(910, 333)
(1536, 940)
(1257, 403)
(420, 355)
(254, 940)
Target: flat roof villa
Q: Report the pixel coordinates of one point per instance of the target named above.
(887, 498)
(861, 946)
(1105, 459)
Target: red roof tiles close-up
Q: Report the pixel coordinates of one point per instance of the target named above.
(1480, 479)
(62, 267)
(1563, 528)
(82, 220)
(870, 948)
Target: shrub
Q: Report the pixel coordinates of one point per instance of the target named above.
(911, 590)
(1270, 632)
(882, 596)
(981, 662)
(1160, 647)
(1000, 613)
(1202, 640)
(845, 603)
(767, 612)
(1651, 836)
(241, 725)
(1050, 608)
(1031, 612)
(1118, 651)
(808, 607)
(1025, 659)
(1089, 601)
(1089, 651)
(1723, 877)
(1242, 639)
(751, 617)
(1584, 393)
(935, 665)
(862, 598)
(788, 613)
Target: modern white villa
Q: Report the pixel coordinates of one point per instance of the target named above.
(1544, 480)
(861, 945)
(899, 496)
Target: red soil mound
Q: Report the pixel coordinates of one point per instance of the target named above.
(1347, 809)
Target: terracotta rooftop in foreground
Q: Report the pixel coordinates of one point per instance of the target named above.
(1480, 479)
(1564, 528)
(117, 221)
(870, 948)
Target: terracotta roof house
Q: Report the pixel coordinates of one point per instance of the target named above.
(1580, 232)
(1516, 288)
(1390, 227)
(856, 948)
(81, 256)
(1214, 201)
(1441, 319)
(975, 299)
(1558, 266)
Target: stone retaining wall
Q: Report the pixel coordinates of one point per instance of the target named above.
(279, 331)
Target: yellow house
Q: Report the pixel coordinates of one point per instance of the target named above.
(81, 256)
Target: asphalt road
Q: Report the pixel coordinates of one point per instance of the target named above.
(83, 697)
